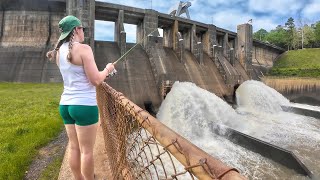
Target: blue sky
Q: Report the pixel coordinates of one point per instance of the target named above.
(227, 14)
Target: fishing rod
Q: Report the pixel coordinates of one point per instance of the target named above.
(125, 54)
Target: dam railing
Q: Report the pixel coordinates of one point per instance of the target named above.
(138, 146)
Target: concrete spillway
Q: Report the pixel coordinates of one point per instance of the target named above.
(136, 78)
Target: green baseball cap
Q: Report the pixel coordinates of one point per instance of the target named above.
(67, 24)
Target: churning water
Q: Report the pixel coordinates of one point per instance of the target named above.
(195, 113)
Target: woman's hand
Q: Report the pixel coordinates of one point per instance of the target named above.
(110, 67)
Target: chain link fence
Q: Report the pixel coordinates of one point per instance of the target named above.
(138, 146)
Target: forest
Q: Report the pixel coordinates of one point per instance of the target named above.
(291, 35)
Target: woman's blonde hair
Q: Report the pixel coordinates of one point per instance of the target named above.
(52, 54)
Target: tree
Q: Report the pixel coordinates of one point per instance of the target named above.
(290, 28)
(260, 35)
(317, 33)
(309, 36)
(296, 39)
(277, 37)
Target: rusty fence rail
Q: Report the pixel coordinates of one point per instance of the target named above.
(138, 146)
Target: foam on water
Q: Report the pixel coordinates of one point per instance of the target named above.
(266, 111)
(194, 112)
(182, 105)
(256, 96)
(300, 134)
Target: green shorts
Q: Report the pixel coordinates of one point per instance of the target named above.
(79, 115)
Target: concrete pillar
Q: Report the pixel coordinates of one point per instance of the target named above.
(225, 44)
(193, 38)
(149, 24)
(244, 45)
(178, 42)
(168, 37)
(175, 38)
(187, 39)
(1, 22)
(119, 33)
(139, 32)
(199, 52)
(85, 11)
(209, 39)
(196, 46)
(236, 46)
(180, 49)
(214, 51)
(232, 57)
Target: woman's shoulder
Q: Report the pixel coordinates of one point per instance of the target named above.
(83, 47)
(86, 46)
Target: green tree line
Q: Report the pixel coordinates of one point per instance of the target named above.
(289, 36)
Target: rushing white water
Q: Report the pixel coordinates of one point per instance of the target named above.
(254, 95)
(194, 112)
(296, 133)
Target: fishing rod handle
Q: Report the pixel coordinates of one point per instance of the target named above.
(112, 73)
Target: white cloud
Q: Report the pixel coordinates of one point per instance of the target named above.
(130, 32)
(312, 11)
(104, 30)
(217, 3)
(230, 19)
(280, 7)
(263, 23)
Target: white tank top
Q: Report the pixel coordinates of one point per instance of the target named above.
(77, 88)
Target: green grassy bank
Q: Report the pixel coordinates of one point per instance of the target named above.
(29, 119)
(298, 63)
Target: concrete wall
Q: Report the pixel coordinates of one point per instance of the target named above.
(26, 37)
(85, 11)
(1, 23)
(264, 56)
(25, 28)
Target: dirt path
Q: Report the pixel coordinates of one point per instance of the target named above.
(46, 155)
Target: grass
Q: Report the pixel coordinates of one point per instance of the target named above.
(298, 63)
(29, 119)
(292, 84)
(51, 171)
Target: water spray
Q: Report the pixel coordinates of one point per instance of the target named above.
(125, 54)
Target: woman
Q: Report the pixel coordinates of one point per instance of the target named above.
(78, 104)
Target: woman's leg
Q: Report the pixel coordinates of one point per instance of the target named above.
(87, 136)
(74, 152)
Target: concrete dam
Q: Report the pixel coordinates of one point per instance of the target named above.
(211, 57)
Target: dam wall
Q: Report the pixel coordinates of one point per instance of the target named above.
(213, 58)
(29, 23)
(28, 30)
(134, 78)
(264, 54)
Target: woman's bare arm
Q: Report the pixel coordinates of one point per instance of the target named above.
(95, 76)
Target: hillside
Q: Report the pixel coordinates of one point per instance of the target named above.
(298, 63)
